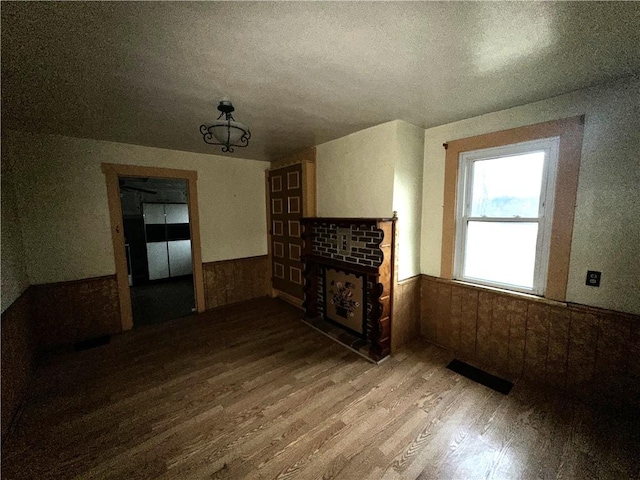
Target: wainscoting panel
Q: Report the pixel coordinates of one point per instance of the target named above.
(18, 356)
(406, 312)
(232, 281)
(70, 312)
(581, 350)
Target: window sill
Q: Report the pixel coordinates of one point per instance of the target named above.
(524, 296)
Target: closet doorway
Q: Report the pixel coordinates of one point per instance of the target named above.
(156, 239)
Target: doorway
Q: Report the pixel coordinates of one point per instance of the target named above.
(182, 228)
(155, 219)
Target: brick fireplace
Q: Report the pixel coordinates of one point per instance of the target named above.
(349, 279)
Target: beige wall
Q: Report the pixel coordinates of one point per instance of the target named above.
(14, 271)
(407, 196)
(354, 174)
(606, 234)
(62, 200)
(373, 173)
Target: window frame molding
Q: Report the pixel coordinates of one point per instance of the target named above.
(545, 209)
(570, 134)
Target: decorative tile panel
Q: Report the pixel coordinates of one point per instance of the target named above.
(276, 206)
(294, 251)
(293, 180)
(294, 228)
(295, 275)
(278, 249)
(276, 183)
(294, 205)
(278, 269)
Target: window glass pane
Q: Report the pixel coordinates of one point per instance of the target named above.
(508, 186)
(503, 252)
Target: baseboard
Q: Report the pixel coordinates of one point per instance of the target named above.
(296, 302)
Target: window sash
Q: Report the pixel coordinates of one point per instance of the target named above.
(545, 211)
(503, 219)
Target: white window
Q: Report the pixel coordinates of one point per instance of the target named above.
(505, 208)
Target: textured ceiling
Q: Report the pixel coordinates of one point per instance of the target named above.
(299, 74)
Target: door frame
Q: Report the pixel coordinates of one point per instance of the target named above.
(112, 171)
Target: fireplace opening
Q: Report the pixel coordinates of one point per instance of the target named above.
(345, 300)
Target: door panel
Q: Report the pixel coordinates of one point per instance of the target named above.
(177, 213)
(285, 190)
(158, 260)
(153, 213)
(180, 258)
(168, 240)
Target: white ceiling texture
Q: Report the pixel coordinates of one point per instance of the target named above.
(299, 74)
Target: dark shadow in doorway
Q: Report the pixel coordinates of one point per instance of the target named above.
(161, 301)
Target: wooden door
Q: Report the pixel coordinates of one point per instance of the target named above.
(286, 207)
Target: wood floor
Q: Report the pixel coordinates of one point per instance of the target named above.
(249, 391)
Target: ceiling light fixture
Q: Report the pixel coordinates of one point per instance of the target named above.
(226, 131)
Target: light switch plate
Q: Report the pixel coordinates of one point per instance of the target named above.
(344, 241)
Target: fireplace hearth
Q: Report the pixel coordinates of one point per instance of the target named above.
(349, 280)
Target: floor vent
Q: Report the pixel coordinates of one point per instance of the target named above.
(477, 375)
(94, 342)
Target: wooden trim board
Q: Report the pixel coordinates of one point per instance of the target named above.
(296, 302)
(308, 189)
(570, 131)
(267, 200)
(112, 172)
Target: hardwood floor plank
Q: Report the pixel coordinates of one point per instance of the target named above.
(249, 391)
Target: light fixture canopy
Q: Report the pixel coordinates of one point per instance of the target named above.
(226, 131)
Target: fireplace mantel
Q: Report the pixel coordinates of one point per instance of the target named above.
(363, 248)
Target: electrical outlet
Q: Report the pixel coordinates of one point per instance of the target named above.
(593, 278)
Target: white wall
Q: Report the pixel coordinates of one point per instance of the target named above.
(14, 271)
(63, 202)
(407, 197)
(372, 173)
(354, 174)
(606, 233)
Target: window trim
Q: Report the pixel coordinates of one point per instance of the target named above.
(570, 134)
(466, 159)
